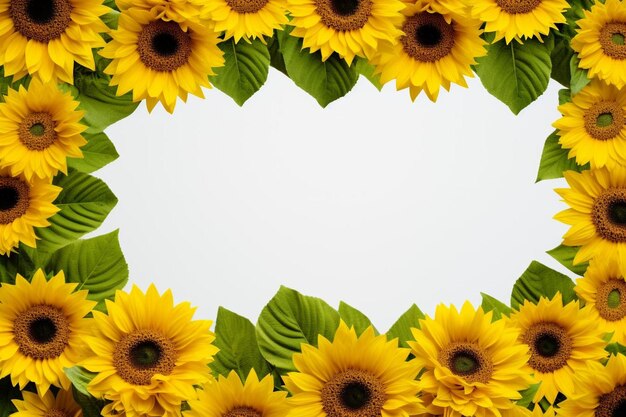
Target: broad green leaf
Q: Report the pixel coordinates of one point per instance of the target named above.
(554, 160)
(353, 317)
(7, 393)
(364, 68)
(92, 407)
(80, 378)
(561, 57)
(565, 255)
(579, 79)
(245, 71)
(540, 281)
(18, 263)
(528, 395)
(98, 152)
(289, 320)
(565, 96)
(326, 81)
(402, 327)
(516, 74)
(276, 58)
(96, 264)
(239, 351)
(498, 307)
(84, 202)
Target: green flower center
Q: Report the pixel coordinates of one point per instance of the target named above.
(604, 120)
(355, 395)
(614, 300)
(145, 354)
(42, 330)
(464, 363)
(617, 39)
(38, 129)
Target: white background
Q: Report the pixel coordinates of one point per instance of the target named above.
(375, 200)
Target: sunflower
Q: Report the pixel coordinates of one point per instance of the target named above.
(44, 38)
(49, 405)
(597, 215)
(24, 205)
(519, 19)
(348, 27)
(562, 340)
(601, 392)
(472, 366)
(42, 326)
(438, 49)
(159, 60)
(593, 126)
(247, 18)
(600, 42)
(228, 397)
(148, 354)
(603, 289)
(39, 128)
(353, 376)
(181, 11)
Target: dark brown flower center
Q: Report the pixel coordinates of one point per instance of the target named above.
(604, 120)
(344, 15)
(468, 361)
(36, 131)
(40, 20)
(142, 354)
(57, 412)
(428, 37)
(518, 6)
(163, 46)
(550, 346)
(41, 332)
(610, 299)
(353, 393)
(612, 39)
(14, 199)
(243, 412)
(246, 6)
(609, 215)
(612, 404)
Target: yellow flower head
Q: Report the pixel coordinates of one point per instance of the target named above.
(49, 405)
(179, 11)
(600, 42)
(229, 397)
(24, 205)
(148, 354)
(44, 38)
(562, 340)
(593, 126)
(39, 129)
(353, 376)
(472, 366)
(42, 327)
(597, 215)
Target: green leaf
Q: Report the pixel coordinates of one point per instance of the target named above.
(18, 263)
(353, 317)
(402, 327)
(326, 81)
(561, 56)
(554, 160)
(565, 96)
(7, 393)
(497, 306)
(97, 264)
(84, 202)
(289, 320)
(364, 68)
(239, 351)
(276, 58)
(540, 281)
(615, 349)
(565, 255)
(80, 378)
(579, 79)
(92, 407)
(245, 71)
(528, 395)
(516, 74)
(98, 152)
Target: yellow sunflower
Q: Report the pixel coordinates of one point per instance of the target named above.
(44, 38)
(348, 27)
(148, 354)
(562, 340)
(601, 393)
(161, 60)
(438, 49)
(354, 376)
(42, 327)
(49, 405)
(600, 42)
(247, 18)
(24, 205)
(229, 397)
(593, 126)
(180, 11)
(519, 19)
(597, 215)
(39, 128)
(472, 366)
(603, 289)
